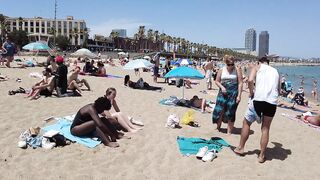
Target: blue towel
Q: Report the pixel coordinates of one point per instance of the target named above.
(190, 146)
(63, 126)
(113, 76)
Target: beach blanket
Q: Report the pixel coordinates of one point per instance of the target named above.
(290, 117)
(188, 146)
(63, 126)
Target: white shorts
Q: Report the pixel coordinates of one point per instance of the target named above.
(251, 114)
(209, 75)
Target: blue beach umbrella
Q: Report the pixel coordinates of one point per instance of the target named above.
(36, 46)
(184, 72)
(138, 63)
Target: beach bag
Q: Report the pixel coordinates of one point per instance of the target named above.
(172, 121)
(188, 117)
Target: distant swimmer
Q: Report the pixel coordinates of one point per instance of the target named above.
(314, 91)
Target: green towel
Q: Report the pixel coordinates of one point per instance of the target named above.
(190, 146)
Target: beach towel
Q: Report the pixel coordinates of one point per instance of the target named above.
(188, 146)
(290, 117)
(63, 126)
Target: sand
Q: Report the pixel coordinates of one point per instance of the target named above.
(152, 153)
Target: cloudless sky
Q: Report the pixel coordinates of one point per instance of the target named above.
(293, 25)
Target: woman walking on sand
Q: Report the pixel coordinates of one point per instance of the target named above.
(229, 81)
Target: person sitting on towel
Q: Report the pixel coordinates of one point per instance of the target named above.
(74, 83)
(87, 121)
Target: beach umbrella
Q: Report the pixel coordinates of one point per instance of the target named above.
(83, 52)
(183, 62)
(138, 63)
(36, 46)
(184, 72)
(121, 53)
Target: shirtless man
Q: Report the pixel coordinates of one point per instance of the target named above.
(73, 81)
(44, 87)
(208, 69)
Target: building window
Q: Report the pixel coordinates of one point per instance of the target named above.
(31, 30)
(14, 23)
(26, 24)
(37, 30)
(70, 25)
(42, 30)
(14, 28)
(37, 23)
(81, 36)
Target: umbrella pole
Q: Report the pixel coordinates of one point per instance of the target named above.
(183, 89)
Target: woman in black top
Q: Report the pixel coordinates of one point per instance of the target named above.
(87, 120)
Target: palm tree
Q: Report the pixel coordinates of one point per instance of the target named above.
(75, 35)
(141, 36)
(162, 40)
(156, 40)
(20, 19)
(3, 27)
(115, 38)
(150, 38)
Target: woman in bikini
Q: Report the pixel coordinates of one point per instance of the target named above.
(87, 121)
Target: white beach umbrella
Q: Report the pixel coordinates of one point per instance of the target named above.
(84, 53)
(138, 63)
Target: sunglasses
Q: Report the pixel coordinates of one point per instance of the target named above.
(230, 64)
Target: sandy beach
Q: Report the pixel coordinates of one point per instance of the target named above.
(153, 152)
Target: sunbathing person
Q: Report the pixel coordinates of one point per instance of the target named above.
(120, 117)
(314, 120)
(74, 83)
(87, 121)
(89, 67)
(294, 106)
(44, 87)
(140, 84)
(101, 70)
(200, 103)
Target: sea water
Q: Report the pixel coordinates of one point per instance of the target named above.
(294, 74)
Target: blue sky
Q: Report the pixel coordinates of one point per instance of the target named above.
(293, 25)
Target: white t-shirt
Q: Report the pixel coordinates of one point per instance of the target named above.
(267, 84)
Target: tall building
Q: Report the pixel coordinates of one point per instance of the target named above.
(121, 32)
(250, 40)
(263, 43)
(75, 30)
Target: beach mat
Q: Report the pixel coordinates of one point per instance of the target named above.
(188, 146)
(290, 117)
(63, 126)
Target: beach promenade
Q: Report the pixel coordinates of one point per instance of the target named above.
(151, 153)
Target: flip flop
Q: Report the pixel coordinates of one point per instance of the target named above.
(262, 160)
(237, 153)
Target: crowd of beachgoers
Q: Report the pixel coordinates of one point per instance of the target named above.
(65, 77)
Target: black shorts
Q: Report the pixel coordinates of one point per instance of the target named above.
(264, 108)
(156, 71)
(45, 92)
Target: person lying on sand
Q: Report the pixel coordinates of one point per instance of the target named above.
(120, 117)
(87, 121)
(74, 83)
(44, 87)
(200, 103)
(140, 84)
(293, 105)
(309, 118)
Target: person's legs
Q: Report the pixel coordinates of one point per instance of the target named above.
(123, 122)
(127, 120)
(9, 59)
(219, 122)
(73, 85)
(88, 127)
(266, 122)
(35, 94)
(85, 83)
(230, 127)
(244, 137)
